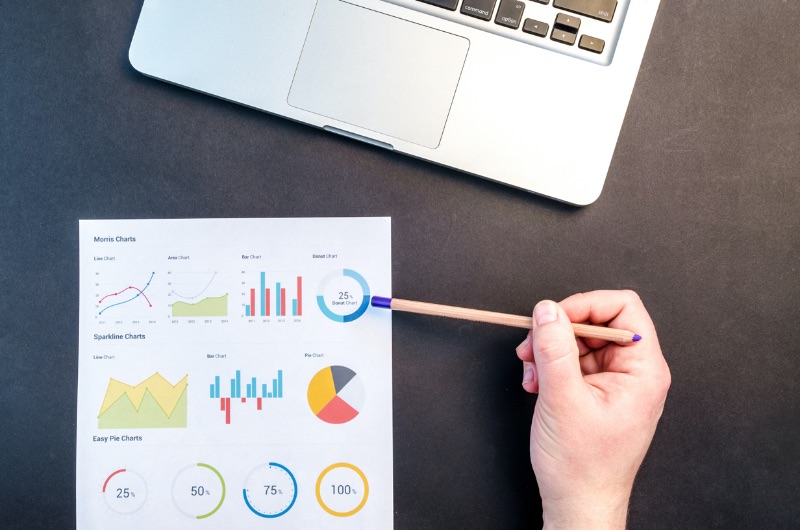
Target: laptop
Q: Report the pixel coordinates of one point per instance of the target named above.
(528, 93)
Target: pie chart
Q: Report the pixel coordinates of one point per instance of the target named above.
(336, 394)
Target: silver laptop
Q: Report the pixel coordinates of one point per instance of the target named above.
(529, 93)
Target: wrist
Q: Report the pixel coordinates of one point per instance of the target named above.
(610, 513)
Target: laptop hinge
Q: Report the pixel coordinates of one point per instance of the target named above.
(365, 139)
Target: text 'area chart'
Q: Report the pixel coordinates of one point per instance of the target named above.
(232, 373)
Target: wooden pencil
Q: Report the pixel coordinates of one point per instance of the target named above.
(503, 319)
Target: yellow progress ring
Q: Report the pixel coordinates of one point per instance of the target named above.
(363, 479)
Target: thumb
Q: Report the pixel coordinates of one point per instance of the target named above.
(555, 350)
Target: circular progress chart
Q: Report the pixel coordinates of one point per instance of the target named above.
(342, 489)
(270, 490)
(343, 295)
(125, 491)
(336, 394)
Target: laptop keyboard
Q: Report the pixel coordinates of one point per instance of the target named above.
(585, 29)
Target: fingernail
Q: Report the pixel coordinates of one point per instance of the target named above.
(527, 373)
(545, 311)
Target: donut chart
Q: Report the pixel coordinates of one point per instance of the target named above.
(343, 295)
(125, 491)
(336, 394)
(198, 491)
(342, 489)
(270, 491)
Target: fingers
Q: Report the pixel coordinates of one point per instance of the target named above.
(530, 381)
(551, 341)
(590, 364)
(618, 309)
(525, 349)
(624, 310)
(555, 350)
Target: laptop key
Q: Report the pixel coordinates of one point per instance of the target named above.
(565, 30)
(535, 27)
(509, 14)
(481, 9)
(447, 4)
(591, 44)
(568, 22)
(599, 9)
(564, 37)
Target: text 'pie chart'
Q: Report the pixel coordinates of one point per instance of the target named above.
(336, 394)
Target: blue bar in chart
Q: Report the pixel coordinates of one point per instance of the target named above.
(261, 303)
(215, 388)
(251, 392)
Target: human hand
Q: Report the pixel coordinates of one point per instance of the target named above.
(597, 409)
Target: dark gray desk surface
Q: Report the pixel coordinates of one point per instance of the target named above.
(700, 215)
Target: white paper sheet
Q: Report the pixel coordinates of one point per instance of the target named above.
(233, 375)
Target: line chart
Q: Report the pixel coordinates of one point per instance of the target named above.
(124, 293)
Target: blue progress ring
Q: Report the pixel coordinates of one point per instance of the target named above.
(359, 310)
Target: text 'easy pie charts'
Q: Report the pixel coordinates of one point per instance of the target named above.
(336, 394)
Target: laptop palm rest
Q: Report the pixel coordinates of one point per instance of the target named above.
(378, 72)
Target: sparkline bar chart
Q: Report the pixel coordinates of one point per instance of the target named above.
(253, 390)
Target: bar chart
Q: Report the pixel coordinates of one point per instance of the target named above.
(272, 298)
(255, 391)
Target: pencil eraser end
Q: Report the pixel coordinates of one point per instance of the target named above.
(636, 337)
(380, 301)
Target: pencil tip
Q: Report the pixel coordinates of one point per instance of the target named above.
(636, 337)
(380, 301)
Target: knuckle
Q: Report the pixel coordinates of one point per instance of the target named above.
(631, 295)
(554, 347)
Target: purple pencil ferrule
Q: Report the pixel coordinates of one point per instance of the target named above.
(380, 301)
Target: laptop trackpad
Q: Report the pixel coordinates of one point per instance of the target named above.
(378, 72)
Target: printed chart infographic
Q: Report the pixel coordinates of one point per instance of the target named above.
(232, 374)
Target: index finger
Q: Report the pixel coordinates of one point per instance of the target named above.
(623, 309)
(617, 309)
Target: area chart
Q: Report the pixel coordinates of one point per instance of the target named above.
(152, 403)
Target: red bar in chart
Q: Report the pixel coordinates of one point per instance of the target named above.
(264, 299)
(299, 310)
